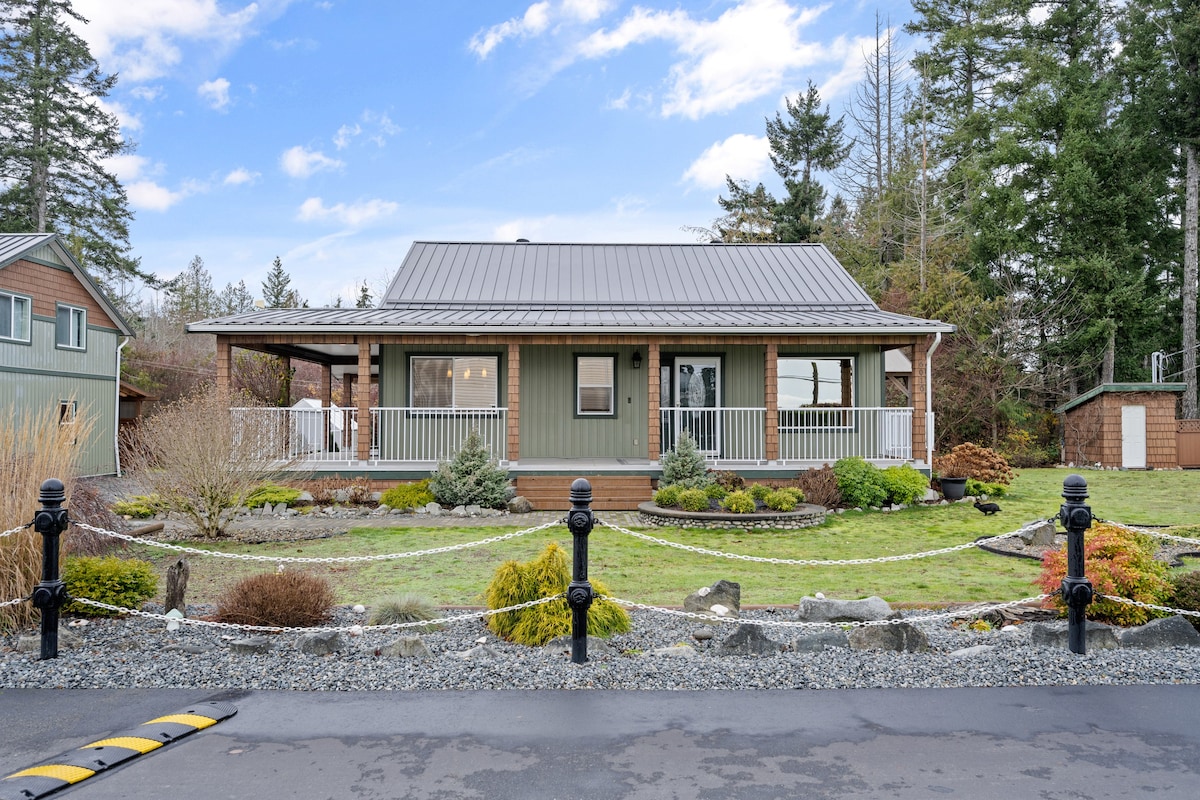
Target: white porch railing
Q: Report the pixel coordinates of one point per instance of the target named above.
(727, 434)
(433, 434)
(305, 434)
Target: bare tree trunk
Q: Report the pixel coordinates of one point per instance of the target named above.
(177, 580)
(1108, 368)
(1189, 280)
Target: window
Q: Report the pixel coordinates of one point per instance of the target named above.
(454, 381)
(14, 317)
(815, 383)
(595, 387)
(70, 329)
(68, 411)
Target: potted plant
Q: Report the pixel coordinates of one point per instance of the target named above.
(969, 460)
(952, 473)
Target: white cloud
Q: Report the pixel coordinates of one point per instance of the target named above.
(147, 93)
(341, 139)
(743, 156)
(620, 103)
(535, 20)
(300, 162)
(127, 167)
(216, 92)
(377, 126)
(149, 196)
(240, 176)
(354, 215)
(128, 120)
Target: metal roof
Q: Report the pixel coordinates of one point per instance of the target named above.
(15, 245)
(560, 288)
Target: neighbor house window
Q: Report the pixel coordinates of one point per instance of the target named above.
(815, 383)
(14, 317)
(595, 387)
(454, 381)
(67, 414)
(70, 329)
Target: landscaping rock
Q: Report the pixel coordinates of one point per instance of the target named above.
(749, 640)
(1173, 631)
(1040, 535)
(1098, 636)
(675, 651)
(189, 649)
(474, 510)
(820, 640)
(251, 645)
(595, 645)
(33, 643)
(320, 644)
(433, 509)
(459, 511)
(478, 653)
(406, 647)
(971, 652)
(519, 505)
(305, 497)
(703, 633)
(900, 638)
(723, 593)
(820, 609)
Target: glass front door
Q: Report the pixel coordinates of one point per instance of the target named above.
(697, 388)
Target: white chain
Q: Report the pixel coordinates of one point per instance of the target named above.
(918, 620)
(395, 626)
(13, 602)
(1155, 533)
(314, 560)
(1140, 604)
(17, 529)
(814, 562)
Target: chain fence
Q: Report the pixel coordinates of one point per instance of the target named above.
(1129, 602)
(13, 602)
(1152, 532)
(17, 529)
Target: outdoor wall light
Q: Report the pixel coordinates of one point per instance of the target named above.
(637, 359)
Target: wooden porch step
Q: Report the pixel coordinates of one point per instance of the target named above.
(609, 492)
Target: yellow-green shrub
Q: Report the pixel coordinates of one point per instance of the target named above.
(546, 576)
(667, 496)
(408, 495)
(693, 500)
(107, 579)
(739, 503)
(780, 501)
(759, 491)
(272, 493)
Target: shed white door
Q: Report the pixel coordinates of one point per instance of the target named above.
(1133, 437)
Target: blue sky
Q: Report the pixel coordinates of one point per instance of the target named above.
(334, 133)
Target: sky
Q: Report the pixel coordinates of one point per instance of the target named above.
(335, 133)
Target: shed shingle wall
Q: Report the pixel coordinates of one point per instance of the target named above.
(1092, 431)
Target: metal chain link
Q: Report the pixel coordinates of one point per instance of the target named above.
(972, 610)
(315, 560)
(1151, 532)
(1151, 606)
(814, 562)
(353, 629)
(17, 529)
(13, 602)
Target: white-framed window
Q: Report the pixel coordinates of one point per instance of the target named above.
(595, 386)
(809, 385)
(454, 381)
(14, 316)
(68, 413)
(70, 328)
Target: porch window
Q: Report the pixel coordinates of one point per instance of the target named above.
(454, 381)
(14, 317)
(815, 383)
(70, 327)
(595, 386)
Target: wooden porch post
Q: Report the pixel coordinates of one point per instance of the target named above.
(326, 402)
(653, 393)
(348, 400)
(771, 394)
(224, 365)
(364, 399)
(514, 401)
(920, 442)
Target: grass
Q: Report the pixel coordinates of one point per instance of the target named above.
(644, 572)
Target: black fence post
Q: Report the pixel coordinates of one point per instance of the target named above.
(579, 594)
(51, 592)
(1076, 517)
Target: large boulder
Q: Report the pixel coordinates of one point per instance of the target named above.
(748, 640)
(1097, 636)
(818, 609)
(723, 598)
(322, 643)
(406, 647)
(1167, 632)
(900, 637)
(1040, 535)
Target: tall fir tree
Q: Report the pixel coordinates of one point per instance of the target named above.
(364, 298)
(55, 139)
(277, 291)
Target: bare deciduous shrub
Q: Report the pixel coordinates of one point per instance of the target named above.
(203, 459)
(284, 599)
(33, 447)
(87, 506)
(820, 487)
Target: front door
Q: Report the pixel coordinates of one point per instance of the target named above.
(1133, 437)
(697, 398)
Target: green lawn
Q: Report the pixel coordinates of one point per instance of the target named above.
(645, 572)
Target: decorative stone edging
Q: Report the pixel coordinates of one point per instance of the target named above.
(806, 515)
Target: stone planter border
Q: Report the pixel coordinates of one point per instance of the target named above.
(806, 515)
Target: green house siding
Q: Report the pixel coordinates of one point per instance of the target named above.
(550, 427)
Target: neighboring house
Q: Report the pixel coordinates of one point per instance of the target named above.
(592, 359)
(60, 342)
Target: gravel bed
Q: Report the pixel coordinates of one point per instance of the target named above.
(142, 653)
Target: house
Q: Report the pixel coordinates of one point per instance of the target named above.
(1125, 425)
(60, 343)
(592, 359)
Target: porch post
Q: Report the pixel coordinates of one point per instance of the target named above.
(326, 402)
(348, 400)
(364, 399)
(771, 395)
(920, 442)
(653, 393)
(514, 402)
(224, 365)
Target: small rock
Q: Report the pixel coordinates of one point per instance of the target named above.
(359, 608)
(519, 505)
(473, 510)
(459, 511)
(901, 638)
(251, 645)
(748, 640)
(322, 643)
(703, 633)
(675, 651)
(478, 652)
(723, 593)
(305, 497)
(406, 647)
(1040, 535)
(189, 649)
(970, 652)
(433, 509)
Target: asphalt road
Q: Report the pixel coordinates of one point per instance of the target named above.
(1052, 743)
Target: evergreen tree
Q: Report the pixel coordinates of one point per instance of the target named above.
(234, 299)
(55, 138)
(364, 298)
(190, 295)
(277, 291)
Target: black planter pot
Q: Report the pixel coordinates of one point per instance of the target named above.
(953, 488)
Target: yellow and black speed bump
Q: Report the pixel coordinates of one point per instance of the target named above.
(74, 766)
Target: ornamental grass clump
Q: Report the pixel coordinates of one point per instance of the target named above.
(404, 609)
(546, 576)
(1118, 562)
(278, 599)
(472, 477)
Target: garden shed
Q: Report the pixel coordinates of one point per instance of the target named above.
(1122, 425)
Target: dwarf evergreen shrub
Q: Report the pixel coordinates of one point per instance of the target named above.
(667, 496)
(739, 503)
(107, 579)
(684, 466)
(759, 491)
(283, 599)
(472, 477)
(142, 506)
(272, 493)
(1186, 586)
(408, 495)
(715, 491)
(547, 575)
(779, 500)
(693, 500)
